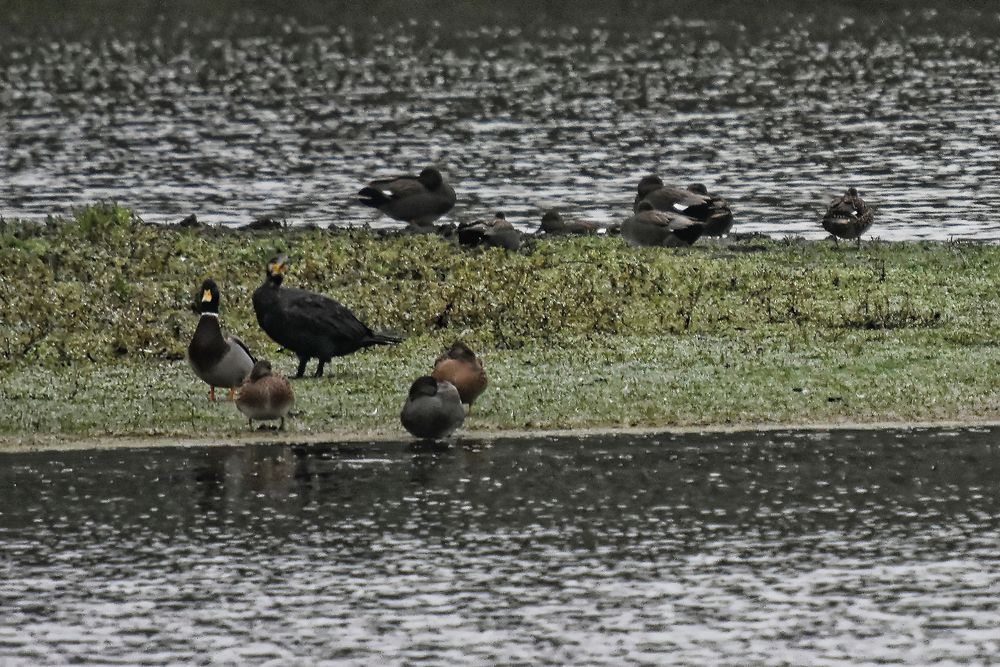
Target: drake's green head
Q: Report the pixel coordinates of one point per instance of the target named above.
(208, 297)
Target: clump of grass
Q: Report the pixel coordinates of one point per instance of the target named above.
(104, 285)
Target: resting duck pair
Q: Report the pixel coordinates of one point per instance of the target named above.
(434, 407)
(694, 202)
(499, 233)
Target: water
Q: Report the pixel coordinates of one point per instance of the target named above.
(777, 110)
(773, 548)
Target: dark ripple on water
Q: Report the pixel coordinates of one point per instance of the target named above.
(785, 548)
(292, 124)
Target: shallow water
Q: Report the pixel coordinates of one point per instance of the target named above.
(775, 548)
(290, 121)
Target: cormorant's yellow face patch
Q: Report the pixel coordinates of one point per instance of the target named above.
(206, 296)
(277, 268)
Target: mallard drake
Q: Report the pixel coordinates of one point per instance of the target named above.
(848, 216)
(433, 409)
(554, 224)
(460, 366)
(416, 200)
(265, 395)
(720, 215)
(649, 227)
(309, 324)
(694, 202)
(221, 361)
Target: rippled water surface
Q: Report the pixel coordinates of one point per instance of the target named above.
(291, 120)
(781, 548)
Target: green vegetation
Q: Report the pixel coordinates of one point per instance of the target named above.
(97, 313)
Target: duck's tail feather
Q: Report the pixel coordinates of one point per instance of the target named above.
(372, 197)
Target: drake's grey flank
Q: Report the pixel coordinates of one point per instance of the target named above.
(221, 361)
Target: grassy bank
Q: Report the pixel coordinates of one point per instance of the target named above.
(575, 333)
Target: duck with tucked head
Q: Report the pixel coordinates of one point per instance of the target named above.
(649, 227)
(720, 214)
(848, 216)
(495, 233)
(310, 325)
(265, 395)
(415, 200)
(433, 409)
(554, 225)
(460, 366)
(221, 361)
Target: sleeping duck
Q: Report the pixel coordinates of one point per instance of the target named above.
(416, 200)
(460, 366)
(848, 217)
(495, 233)
(720, 216)
(554, 225)
(649, 227)
(221, 361)
(694, 202)
(309, 324)
(433, 409)
(265, 395)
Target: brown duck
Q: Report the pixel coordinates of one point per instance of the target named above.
(460, 366)
(848, 216)
(265, 395)
(495, 233)
(720, 216)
